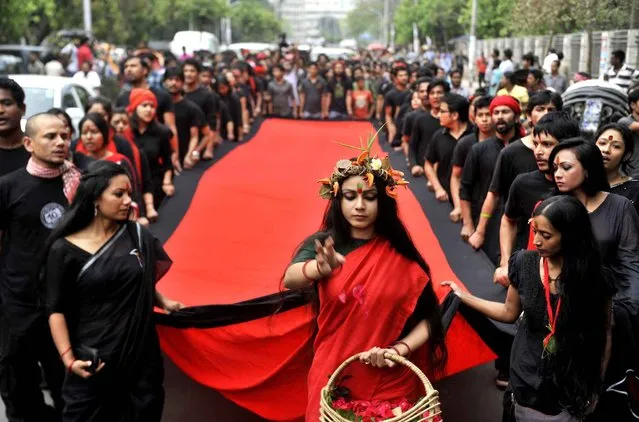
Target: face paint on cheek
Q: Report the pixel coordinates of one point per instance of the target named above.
(360, 188)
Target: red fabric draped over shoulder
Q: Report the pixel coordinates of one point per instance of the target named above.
(366, 304)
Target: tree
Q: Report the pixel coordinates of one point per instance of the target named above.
(252, 21)
(438, 19)
(329, 29)
(365, 18)
(493, 18)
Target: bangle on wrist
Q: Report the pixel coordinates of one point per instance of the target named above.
(70, 367)
(167, 183)
(395, 350)
(65, 352)
(403, 343)
(322, 275)
(485, 215)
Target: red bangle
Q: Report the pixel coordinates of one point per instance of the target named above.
(69, 368)
(395, 350)
(410, 351)
(318, 269)
(65, 352)
(310, 280)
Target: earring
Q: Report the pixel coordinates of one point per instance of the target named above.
(95, 211)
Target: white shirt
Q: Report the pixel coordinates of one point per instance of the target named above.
(54, 68)
(506, 66)
(623, 78)
(92, 78)
(552, 57)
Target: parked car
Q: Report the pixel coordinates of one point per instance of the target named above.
(45, 92)
(14, 58)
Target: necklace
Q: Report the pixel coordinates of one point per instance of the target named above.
(550, 345)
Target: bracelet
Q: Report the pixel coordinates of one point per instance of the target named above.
(65, 352)
(395, 350)
(310, 280)
(70, 367)
(485, 215)
(403, 343)
(167, 184)
(318, 269)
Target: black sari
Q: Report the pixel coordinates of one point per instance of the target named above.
(107, 299)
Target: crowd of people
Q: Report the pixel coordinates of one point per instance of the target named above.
(557, 214)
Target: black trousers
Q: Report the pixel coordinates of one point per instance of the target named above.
(20, 373)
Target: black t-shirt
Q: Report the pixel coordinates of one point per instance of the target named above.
(231, 111)
(525, 192)
(515, 159)
(13, 159)
(440, 151)
(424, 128)
(244, 91)
(30, 207)
(187, 116)
(395, 99)
(409, 121)
(630, 190)
(531, 383)
(208, 102)
(165, 104)
(462, 149)
(155, 142)
(339, 90)
(478, 172)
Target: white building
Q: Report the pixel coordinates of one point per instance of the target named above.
(301, 17)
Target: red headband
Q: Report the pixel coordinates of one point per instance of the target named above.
(138, 96)
(505, 100)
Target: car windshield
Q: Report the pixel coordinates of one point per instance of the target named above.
(10, 64)
(37, 100)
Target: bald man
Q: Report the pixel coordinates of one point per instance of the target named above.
(32, 202)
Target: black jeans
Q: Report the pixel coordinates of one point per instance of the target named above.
(20, 374)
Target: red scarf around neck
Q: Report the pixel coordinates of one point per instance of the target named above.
(70, 175)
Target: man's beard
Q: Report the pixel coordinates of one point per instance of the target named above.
(503, 127)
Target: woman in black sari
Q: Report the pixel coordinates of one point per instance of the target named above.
(100, 277)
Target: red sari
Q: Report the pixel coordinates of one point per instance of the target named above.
(366, 304)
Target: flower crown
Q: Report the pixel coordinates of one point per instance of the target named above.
(367, 166)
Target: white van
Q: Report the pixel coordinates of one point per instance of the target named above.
(194, 41)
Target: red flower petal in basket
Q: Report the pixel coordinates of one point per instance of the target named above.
(341, 404)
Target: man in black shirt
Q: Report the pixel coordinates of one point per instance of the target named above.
(518, 158)
(12, 153)
(393, 100)
(421, 87)
(32, 202)
(207, 101)
(188, 119)
(312, 92)
(530, 188)
(339, 94)
(136, 71)
(425, 126)
(453, 116)
(484, 130)
(480, 164)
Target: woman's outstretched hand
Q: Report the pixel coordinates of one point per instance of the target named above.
(172, 305)
(454, 287)
(327, 258)
(375, 357)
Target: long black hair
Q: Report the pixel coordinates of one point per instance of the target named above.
(591, 160)
(99, 122)
(586, 294)
(389, 226)
(93, 183)
(628, 143)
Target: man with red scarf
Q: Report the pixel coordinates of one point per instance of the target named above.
(32, 202)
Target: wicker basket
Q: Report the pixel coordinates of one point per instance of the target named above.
(425, 410)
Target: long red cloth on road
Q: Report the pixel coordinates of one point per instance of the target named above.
(249, 213)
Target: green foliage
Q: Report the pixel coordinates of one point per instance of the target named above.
(251, 20)
(493, 18)
(366, 17)
(438, 19)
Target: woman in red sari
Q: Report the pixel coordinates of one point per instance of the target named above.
(373, 288)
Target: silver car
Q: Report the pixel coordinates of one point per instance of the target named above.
(45, 92)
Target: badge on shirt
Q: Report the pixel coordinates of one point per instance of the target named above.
(51, 214)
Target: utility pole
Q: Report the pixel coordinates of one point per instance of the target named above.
(473, 40)
(88, 21)
(415, 33)
(385, 21)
